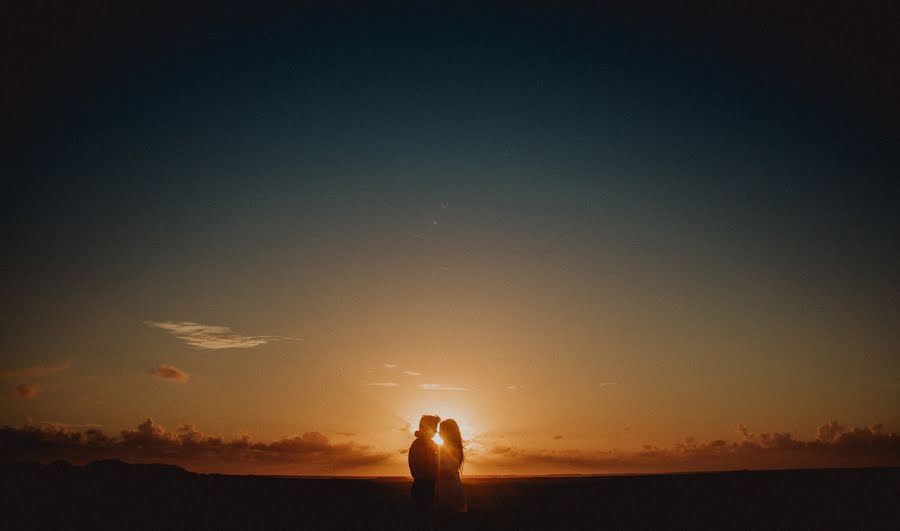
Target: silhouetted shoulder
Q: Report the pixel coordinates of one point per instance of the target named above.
(422, 444)
(423, 458)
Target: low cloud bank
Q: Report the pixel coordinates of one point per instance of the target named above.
(834, 446)
(310, 452)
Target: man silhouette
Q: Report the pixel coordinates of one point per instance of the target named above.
(423, 464)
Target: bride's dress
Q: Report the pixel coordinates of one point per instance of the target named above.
(450, 494)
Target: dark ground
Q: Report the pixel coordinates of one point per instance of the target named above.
(111, 494)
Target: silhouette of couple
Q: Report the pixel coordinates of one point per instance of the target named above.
(435, 468)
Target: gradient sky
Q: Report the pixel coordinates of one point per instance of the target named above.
(575, 230)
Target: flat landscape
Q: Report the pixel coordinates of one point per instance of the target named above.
(112, 494)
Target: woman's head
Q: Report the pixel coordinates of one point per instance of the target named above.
(452, 438)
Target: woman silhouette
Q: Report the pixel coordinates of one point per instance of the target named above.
(450, 494)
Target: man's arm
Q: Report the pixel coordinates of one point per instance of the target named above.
(416, 459)
(423, 459)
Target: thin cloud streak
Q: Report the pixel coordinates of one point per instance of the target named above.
(441, 387)
(412, 373)
(213, 337)
(37, 371)
(383, 384)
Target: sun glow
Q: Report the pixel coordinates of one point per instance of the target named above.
(437, 439)
(445, 411)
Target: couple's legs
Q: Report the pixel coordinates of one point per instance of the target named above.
(423, 501)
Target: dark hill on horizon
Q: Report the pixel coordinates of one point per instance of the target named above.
(113, 494)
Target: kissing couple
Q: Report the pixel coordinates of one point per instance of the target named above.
(435, 467)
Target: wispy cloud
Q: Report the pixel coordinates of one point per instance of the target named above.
(412, 373)
(212, 337)
(390, 365)
(601, 385)
(26, 391)
(36, 371)
(170, 372)
(383, 384)
(515, 388)
(441, 387)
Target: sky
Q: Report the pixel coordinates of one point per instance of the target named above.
(603, 239)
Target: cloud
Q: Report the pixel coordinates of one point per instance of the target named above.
(515, 388)
(441, 387)
(390, 365)
(56, 425)
(402, 426)
(185, 446)
(170, 372)
(834, 446)
(37, 371)
(412, 373)
(383, 384)
(827, 432)
(601, 385)
(314, 452)
(211, 337)
(26, 391)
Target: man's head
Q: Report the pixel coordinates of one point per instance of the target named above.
(428, 426)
